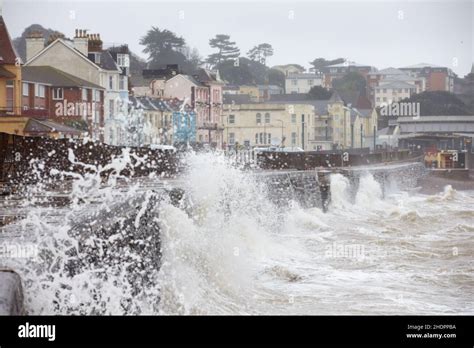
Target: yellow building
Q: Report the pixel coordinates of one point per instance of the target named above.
(10, 75)
(310, 125)
(266, 124)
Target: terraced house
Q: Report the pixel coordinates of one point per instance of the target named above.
(85, 58)
(49, 93)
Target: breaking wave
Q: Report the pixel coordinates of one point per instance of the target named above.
(215, 242)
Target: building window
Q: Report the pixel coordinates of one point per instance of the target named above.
(122, 60)
(400, 90)
(384, 99)
(269, 137)
(310, 82)
(25, 90)
(378, 99)
(293, 138)
(261, 138)
(231, 138)
(256, 138)
(406, 90)
(293, 118)
(267, 118)
(95, 57)
(294, 82)
(96, 95)
(84, 94)
(111, 108)
(41, 91)
(111, 82)
(121, 82)
(10, 84)
(58, 94)
(384, 90)
(259, 118)
(232, 119)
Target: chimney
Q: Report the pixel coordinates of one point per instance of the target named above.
(95, 43)
(81, 41)
(34, 44)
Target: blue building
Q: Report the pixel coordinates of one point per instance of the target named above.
(184, 126)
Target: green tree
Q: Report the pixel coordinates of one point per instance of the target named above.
(319, 93)
(350, 83)
(260, 53)
(165, 47)
(227, 50)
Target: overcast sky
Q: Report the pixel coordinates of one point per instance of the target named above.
(378, 33)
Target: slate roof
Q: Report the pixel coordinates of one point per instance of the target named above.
(41, 126)
(236, 99)
(107, 62)
(52, 76)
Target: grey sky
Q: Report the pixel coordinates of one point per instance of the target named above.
(379, 33)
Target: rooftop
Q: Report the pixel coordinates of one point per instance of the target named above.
(395, 84)
(348, 63)
(52, 76)
(422, 65)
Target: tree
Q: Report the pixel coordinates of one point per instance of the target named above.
(260, 53)
(227, 50)
(319, 93)
(436, 103)
(165, 47)
(193, 56)
(276, 77)
(351, 82)
(319, 63)
(20, 42)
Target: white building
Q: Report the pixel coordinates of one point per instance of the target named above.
(302, 82)
(387, 76)
(392, 91)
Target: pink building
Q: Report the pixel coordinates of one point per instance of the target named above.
(203, 92)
